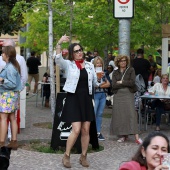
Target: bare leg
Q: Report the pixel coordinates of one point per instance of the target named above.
(3, 126)
(35, 87)
(14, 126)
(29, 82)
(76, 126)
(136, 136)
(85, 137)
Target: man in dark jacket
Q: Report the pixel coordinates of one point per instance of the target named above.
(142, 66)
(33, 71)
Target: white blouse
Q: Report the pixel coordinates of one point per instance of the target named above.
(157, 79)
(158, 89)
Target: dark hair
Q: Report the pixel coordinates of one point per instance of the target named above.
(140, 51)
(11, 53)
(110, 67)
(150, 55)
(71, 50)
(138, 157)
(89, 53)
(33, 53)
(112, 57)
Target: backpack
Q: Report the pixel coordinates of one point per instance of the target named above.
(140, 84)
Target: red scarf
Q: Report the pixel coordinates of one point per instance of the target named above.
(78, 63)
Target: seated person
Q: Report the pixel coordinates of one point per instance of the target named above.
(157, 76)
(149, 153)
(46, 88)
(161, 89)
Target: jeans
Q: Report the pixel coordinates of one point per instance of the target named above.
(159, 110)
(100, 102)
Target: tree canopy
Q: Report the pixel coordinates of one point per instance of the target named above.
(9, 25)
(90, 22)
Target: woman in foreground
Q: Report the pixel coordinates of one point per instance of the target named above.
(149, 154)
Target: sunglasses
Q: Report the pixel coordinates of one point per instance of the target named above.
(122, 61)
(77, 51)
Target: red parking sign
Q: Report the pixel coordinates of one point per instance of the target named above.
(123, 8)
(123, 1)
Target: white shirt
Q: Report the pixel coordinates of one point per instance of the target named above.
(73, 74)
(23, 67)
(158, 89)
(157, 79)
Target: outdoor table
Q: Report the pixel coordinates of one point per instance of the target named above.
(41, 89)
(145, 97)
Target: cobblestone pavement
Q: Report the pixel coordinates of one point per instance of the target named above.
(109, 159)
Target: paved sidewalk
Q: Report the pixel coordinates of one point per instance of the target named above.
(109, 159)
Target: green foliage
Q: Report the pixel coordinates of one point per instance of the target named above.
(107, 115)
(6, 23)
(37, 145)
(9, 23)
(91, 22)
(146, 28)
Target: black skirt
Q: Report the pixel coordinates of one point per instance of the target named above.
(78, 106)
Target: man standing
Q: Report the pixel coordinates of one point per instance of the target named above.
(142, 66)
(95, 54)
(33, 71)
(23, 67)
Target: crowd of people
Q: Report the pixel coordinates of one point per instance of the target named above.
(87, 92)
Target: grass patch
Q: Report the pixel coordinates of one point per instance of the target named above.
(47, 125)
(107, 115)
(44, 147)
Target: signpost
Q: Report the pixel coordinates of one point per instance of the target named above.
(123, 9)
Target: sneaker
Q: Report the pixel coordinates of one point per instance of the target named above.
(27, 93)
(139, 141)
(100, 137)
(34, 94)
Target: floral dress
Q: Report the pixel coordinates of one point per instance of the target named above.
(9, 102)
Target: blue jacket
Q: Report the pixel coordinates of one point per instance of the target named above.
(12, 80)
(73, 74)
